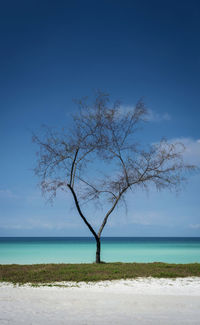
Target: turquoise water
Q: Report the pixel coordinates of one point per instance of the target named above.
(82, 250)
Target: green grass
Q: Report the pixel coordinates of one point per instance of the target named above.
(49, 273)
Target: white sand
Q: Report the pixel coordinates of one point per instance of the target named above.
(141, 301)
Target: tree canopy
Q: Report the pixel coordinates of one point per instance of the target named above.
(103, 136)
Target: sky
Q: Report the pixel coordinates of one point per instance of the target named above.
(52, 52)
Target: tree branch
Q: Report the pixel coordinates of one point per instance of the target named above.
(72, 169)
(80, 212)
(110, 211)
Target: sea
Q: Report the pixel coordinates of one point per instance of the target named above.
(37, 250)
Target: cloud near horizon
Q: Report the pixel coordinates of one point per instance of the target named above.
(195, 226)
(7, 194)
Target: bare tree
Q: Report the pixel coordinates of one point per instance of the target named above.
(104, 132)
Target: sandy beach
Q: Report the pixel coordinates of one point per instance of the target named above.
(140, 301)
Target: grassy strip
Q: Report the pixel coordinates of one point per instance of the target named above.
(47, 273)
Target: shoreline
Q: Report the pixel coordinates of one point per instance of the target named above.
(140, 285)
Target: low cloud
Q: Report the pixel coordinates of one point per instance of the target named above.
(145, 218)
(31, 224)
(195, 226)
(7, 194)
(148, 218)
(49, 224)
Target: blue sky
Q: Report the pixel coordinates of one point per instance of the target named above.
(52, 52)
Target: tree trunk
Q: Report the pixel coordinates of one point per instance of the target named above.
(98, 251)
